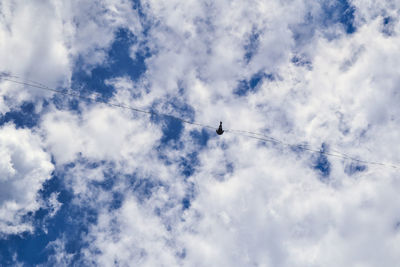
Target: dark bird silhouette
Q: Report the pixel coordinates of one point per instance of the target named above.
(220, 131)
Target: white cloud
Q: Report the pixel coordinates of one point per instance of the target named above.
(32, 44)
(24, 166)
(60, 257)
(145, 242)
(101, 133)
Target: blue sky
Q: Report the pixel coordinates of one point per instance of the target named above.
(87, 184)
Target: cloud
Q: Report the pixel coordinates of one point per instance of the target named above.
(24, 166)
(146, 242)
(101, 133)
(32, 43)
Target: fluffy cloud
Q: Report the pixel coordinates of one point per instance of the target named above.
(146, 242)
(24, 166)
(101, 133)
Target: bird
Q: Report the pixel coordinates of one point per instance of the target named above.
(219, 130)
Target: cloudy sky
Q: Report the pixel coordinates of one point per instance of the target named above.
(87, 184)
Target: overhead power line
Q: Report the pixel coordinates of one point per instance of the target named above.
(104, 101)
(249, 134)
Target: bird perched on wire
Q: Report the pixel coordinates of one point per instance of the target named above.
(219, 130)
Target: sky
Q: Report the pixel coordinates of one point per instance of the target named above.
(83, 183)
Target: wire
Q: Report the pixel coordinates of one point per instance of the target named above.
(103, 101)
(249, 134)
(338, 155)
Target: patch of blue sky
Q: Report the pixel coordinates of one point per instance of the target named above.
(144, 21)
(299, 149)
(224, 171)
(70, 222)
(186, 202)
(200, 137)
(321, 163)
(142, 187)
(339, 11)
(109, 176)
(252, 45)
(118, 63)
(387, 20)
(229, 167)
(117, 200)
(304, 31)
(107, 184)
(302, 61)
(187, 163)
(354, 168)
(172, 128)
(23, 117)
(181, 254)
(388, 26)
(190, 195)
(252, 85)
(336, 12)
